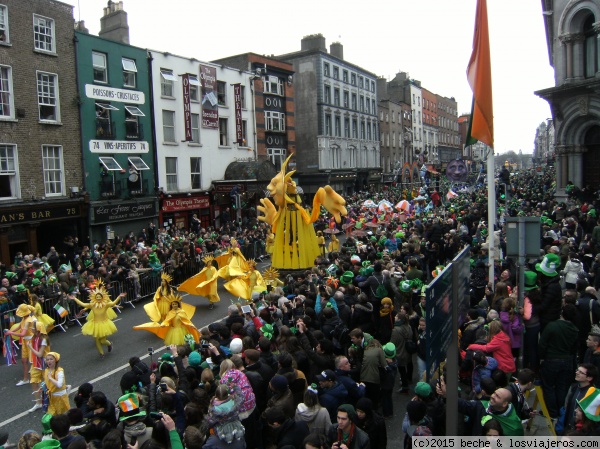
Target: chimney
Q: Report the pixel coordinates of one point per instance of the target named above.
(80, 26)
(113, 25)
(337, 49)
(313, 42)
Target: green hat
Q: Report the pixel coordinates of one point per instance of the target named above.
(423, 389)
(47, 444)
(129, 407)
(405, 287)
(46, 423)
(52, 280)
(46, 266)
(346, 278)
(399, 235)
(369, 271)
(373, 238)
(38, 274)
(88, 263)
(35, 282)
(366, 263)
(389, 349)
(267, 330)
(153, 258)
(549, 264)
(21, 288)
(166, 357)
(194, 359)
(10, 274)
(592, 213)
(530, 280)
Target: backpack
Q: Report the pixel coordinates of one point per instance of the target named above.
(380, 292)
(339, 335)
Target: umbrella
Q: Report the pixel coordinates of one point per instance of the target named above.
(372, 225)
(358, 233)
(403, 205)
(347, 226)
(384, 206)
(370, 204)
(331, 231)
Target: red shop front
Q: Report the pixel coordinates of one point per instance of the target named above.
(177, 212)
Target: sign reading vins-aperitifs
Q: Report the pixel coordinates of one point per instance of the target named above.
(41, 214)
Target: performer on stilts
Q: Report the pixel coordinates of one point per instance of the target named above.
(99, 322)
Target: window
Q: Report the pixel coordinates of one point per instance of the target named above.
(8, 171)
(336, 73)
(274, 85)
(99, 66)
(347, 127)
(244, 142)
(362, 130)
(353, 79)
(362, 104)
(47, 88)
(222, 93)
(354, 101)
(243, 96)
(346, 99)
(223, 139)
(374, 109)
(168, 126)
(336, 97)
(171, 172)
(43, 33)
(129, 72)
(194, 88)
(195, 128)
(6, 97)
(274, 121)
(361, 82)
(196, 172)
(590, 48)
(276, 156)
(52, 166)
(326, 69)
(369, 134)
(338, 127)
(137, 163)
(327, 94)
(166, 82)
(372, 86)
(345, 76)
(354, 129)
(368, 110)
(328, 124)
(104, 129)
(4, 37)
(133, 128)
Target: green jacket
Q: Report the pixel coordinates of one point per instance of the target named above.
(558, 341)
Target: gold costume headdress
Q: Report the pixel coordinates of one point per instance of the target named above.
(166, 277)
(99, 295)
(208, 259)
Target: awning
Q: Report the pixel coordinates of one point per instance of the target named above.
(110, 163)
(138, 163)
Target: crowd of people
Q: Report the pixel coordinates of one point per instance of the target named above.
(314, 361)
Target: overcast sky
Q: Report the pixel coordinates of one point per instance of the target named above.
(429, 39)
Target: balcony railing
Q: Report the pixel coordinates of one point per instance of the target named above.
(134, 130)
(109, 187)
(134, 189)
(104, 129)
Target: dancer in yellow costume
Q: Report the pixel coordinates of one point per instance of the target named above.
(99, 322)
(24, 329)
(270, 243)
(236, 265)
(47, 320)
(251, 281)
(321, 242)
(334, 245)
(204, 283)
(296, 245)
(176, 325)
(158, 309)
(54, 378)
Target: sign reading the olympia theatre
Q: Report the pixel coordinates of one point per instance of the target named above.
(123, 212)
(210, 102)
(118, 146)
(191, 203)
(237, 100)
(113, 94)
(187, 113)
(42, 214)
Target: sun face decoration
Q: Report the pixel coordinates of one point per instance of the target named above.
(282, 185)
(99, 296)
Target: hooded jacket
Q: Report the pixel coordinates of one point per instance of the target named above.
(317, 418)
(332, 398)
(500, 348)
(572, 270)
(482, 372)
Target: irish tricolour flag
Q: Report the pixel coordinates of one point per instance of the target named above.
(590, 404)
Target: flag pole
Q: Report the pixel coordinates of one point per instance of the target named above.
(491, 187)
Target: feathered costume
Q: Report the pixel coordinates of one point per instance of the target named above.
(176, 325)
(296, 245)
(251, 281)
